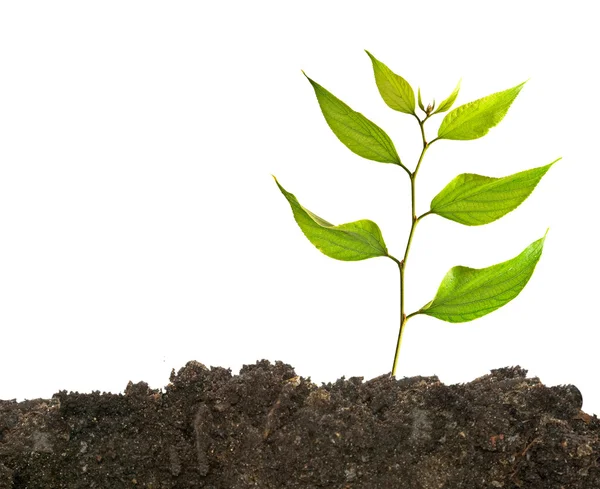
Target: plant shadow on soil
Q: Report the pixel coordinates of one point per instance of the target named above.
(269, 428)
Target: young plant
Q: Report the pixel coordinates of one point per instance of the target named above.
(473, 200)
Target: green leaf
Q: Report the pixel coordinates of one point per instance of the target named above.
(469, 293)
(395, 90)
(475, 200)
(475, 119)
(420, 101)
(353, 241)
(358, 133)
(447, 103)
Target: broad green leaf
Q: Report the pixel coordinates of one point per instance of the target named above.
(475, 200)
(358, 133)
(447, 103)
(353, 241)
(420, 101)
(475, 119)
(395, 91)
(469, 293)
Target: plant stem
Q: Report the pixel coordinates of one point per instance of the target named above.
(402, 264)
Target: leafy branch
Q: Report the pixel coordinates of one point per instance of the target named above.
(469, 199)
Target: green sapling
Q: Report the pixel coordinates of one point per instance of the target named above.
(464, 293)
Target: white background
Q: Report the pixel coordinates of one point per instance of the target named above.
(140, 227)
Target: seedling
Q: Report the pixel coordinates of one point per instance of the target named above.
(473, 200)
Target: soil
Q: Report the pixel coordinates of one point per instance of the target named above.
(269, 428)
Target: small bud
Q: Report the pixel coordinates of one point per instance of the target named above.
(430, 108)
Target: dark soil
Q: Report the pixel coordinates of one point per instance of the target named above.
(268, 428)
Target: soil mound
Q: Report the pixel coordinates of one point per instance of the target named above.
(268, 428)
